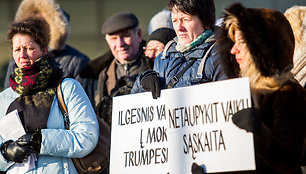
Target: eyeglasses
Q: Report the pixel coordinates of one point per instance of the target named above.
(151, 49)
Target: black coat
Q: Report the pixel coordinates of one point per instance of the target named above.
(279, 146)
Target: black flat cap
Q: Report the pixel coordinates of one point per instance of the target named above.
(119, 22)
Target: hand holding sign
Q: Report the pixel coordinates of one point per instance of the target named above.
(196, 169)
(152, 83)
(247, 119)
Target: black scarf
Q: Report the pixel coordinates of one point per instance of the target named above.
(36, 85)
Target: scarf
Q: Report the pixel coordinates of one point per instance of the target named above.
(198, 41)
(36, 85)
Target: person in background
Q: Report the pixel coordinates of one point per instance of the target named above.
(277, 116)
(32, 93)
(161, 19)
(191, 51)
(296, 15)
(157, 41)
(70, 60)
(114, 72)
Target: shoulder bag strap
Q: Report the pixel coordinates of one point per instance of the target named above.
(167, 46)
(62, 105)
(201, 66)
(176, 78)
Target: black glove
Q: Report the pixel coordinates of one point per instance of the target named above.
(11, 151)
(196, 169)
(31, 140)
(104, 109)
(247, 119)
(152, 83)
(123, 86)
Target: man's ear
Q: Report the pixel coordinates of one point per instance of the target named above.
(139, 33)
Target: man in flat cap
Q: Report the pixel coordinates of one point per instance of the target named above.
(114, 72)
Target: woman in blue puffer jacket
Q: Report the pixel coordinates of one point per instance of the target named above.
(32, 93)
(193, 22)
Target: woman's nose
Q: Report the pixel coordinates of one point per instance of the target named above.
(235, 49)
(23, 52)
(180, 25)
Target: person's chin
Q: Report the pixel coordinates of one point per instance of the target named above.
(184, 40)
(123, 58)
(23, 65)
(238, 61)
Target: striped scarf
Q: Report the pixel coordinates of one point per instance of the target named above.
(36, 85)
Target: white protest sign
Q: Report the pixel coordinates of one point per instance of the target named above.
(138, 142)
(184, 125)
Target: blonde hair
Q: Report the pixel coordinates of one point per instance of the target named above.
(231, 23)
(259, 83)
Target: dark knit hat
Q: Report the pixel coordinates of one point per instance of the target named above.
(119, 22)
(268, 36)
(163, 35)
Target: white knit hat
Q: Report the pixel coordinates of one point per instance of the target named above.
(161, 19)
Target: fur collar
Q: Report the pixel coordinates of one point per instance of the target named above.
(50, 10)
(94, 67)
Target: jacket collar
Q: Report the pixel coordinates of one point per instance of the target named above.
(94, 67)
(197, 52)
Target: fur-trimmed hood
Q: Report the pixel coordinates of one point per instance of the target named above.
(53, 14)
(268, 36)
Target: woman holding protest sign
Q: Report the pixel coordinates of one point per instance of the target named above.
(190, 58)
(277, 116)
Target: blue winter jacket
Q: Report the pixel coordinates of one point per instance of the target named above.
(169, 64)
(59, 145)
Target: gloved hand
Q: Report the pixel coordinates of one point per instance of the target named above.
(247, 119)
(152, 83)
(196, 169)
(31, 140)
(11, 151)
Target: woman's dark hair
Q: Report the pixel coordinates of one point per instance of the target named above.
(204, 9)
(35, 27)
